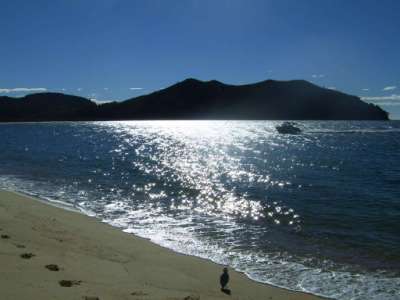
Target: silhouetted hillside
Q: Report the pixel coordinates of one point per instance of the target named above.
(194, 99)
(46, 107)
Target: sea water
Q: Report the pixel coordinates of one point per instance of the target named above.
(316, 212)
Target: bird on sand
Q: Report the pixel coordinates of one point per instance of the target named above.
(224, 278)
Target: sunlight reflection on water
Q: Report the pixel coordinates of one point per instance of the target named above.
(289, 210)
(204, 159)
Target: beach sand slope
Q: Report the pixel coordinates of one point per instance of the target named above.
(51, 253)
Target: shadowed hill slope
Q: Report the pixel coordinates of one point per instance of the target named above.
(195, 99)
(46, 107)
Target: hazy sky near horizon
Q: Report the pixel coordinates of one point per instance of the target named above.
(115, 49)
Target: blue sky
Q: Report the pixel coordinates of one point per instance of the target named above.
(115, 49)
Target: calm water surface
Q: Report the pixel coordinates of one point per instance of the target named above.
(317, 212)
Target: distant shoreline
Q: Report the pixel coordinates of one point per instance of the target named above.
(192, 99)
(190, 120)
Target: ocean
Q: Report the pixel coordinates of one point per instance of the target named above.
(316, 212)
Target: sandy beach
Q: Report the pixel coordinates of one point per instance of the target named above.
(51, 253)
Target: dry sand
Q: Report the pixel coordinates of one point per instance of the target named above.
(97, 261)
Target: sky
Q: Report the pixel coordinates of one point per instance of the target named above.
(118, 49)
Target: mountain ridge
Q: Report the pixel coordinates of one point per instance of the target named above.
(195, 99)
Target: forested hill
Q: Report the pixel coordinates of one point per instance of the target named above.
(195, 99)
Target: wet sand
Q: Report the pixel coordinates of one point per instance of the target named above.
(51, 253)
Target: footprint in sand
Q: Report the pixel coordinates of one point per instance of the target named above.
(69, 283)
(139, 293)
(5, 236)
(27, 255)
(91, 298)
(19, 246)
(52, 267)
(191, 297)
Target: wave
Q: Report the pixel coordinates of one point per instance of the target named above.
(350, 131)
(232, 192)
(178, 235)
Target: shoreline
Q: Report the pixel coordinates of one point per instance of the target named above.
(102, 261)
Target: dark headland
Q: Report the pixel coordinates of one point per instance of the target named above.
(199, 100)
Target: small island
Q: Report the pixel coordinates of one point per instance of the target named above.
(194, 99)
